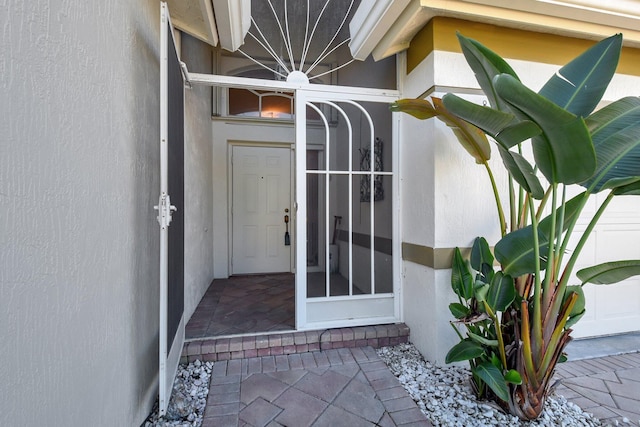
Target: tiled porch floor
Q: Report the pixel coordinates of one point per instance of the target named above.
(245, 304)
(255, 303)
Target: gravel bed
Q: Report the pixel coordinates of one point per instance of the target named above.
(445, 396)
(188, 398)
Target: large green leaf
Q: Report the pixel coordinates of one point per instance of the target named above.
(490, 120)
(486, 64)
(461, 277)
(459, 311)
(470, 137)
(482, 340)
(522, 172)
(515, 252)
(493, 378)
(515, 134)
(501, 126)
(609, 272)
(628, 186)
(580, 84)
(480, 290)
(615, 130)
(464, 350)
(564, 152)
(512, 376)
(480, 254)
(630, 189)
(578, 308)
(501, 292)
(572, 209)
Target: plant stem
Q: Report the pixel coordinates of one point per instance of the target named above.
(522, 206)
(526, 344)
(546, 287)
(512, 207)
(537, 313)
(583, 240)
(496, 322)
(501, 219)
(457, 331)
(572, 224)
(559, 250)
(557, 334)
(543, 202)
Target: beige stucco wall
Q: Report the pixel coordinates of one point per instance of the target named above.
(79, 245)
(198, 177)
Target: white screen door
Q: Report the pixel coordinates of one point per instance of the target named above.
(170, 210)
(354, 193)
(261, 198)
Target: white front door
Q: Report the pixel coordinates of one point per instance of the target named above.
(261, 198)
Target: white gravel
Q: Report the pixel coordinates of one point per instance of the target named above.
(445, 396)
(188, 398)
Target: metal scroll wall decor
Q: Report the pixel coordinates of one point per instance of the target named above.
(365, 180)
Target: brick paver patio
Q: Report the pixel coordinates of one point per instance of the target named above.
(608, 387)
(336, 387)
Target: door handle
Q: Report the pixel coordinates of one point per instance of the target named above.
(287, 240)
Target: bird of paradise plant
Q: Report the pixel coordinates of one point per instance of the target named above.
(518, 319)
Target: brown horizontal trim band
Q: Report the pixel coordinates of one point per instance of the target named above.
(381, 244)
(436, 258)
(440, 34)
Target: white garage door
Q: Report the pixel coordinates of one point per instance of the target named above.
(612, 309)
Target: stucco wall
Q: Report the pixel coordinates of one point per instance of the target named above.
(198, 176)
(79, 245)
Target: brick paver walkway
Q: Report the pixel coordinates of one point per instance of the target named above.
(608, 387)
(338, 387)
(352, 386)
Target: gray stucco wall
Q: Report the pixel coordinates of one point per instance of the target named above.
(79, 161)
(198, 175)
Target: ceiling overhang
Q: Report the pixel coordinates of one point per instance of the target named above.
(388, 27)
(372, 20)
(223, 22)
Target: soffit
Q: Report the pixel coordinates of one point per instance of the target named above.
(587, 19)
(194, 17)
(223, 22)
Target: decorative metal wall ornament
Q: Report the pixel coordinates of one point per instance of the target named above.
(365, 180)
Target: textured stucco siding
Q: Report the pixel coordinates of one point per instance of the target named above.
(198, 177)
(79, 161)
